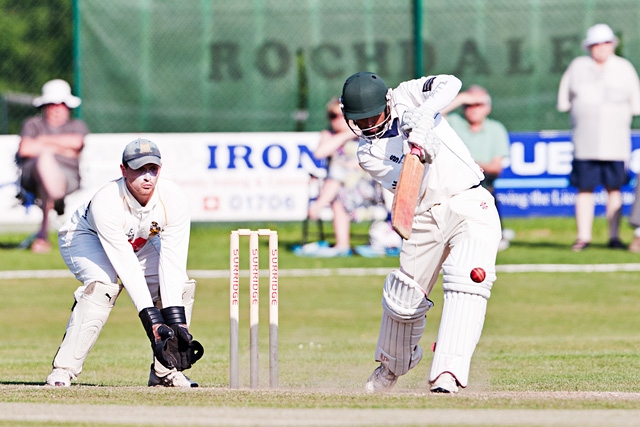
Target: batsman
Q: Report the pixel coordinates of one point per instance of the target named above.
(135, 229)
(453, 225)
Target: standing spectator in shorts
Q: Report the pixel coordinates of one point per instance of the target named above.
(486, 138)
(136, 230)
(49, 152)
(602, 94)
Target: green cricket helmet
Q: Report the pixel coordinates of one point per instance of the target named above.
(364, 95)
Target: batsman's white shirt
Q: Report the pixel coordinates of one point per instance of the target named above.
(455, 229)
(113, 236)
(456, 224)
(453, 169)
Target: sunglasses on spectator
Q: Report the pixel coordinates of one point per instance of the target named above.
(333, 116)
(474, 105)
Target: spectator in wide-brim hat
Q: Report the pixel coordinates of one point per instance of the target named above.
(601, 92)
(49, 152)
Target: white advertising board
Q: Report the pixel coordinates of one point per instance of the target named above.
(227, 176)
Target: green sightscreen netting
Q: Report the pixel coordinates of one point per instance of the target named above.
(271, 65)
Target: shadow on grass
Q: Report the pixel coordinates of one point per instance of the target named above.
(21, 383)
(24, 244)
(11, 245)
(41, 384)
(562, 246)
(542, 245)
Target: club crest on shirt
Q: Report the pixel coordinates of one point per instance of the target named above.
(154, 229)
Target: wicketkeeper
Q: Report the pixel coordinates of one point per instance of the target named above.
(135, 229)
(455, 229)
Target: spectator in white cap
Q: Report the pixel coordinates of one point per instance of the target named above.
(49, 152)
(601, 92)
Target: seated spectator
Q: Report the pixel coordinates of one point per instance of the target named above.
(48, 154)
(347, 189)
(383, 239)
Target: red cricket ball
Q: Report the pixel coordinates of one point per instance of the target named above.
(478, 274)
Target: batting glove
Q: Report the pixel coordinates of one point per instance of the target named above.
(422, 116)
(427, 141)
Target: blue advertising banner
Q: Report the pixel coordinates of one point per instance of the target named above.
(536, 180)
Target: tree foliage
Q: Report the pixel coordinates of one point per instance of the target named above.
(36, 44)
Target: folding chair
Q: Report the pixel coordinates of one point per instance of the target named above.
(315, 184)
(27, 200)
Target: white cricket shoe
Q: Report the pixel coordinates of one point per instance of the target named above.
(60, 377)
(381, 380)
(445, 383)
(172, 379)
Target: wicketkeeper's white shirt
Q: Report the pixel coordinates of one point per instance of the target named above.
(113, 235)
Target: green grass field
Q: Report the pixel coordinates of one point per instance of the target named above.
(551, 341)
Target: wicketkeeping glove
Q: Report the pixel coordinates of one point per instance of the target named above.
(160, 335)
(185, 349)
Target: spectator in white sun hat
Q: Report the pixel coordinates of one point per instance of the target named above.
(599, 33)
(601, 92)
(49, 152)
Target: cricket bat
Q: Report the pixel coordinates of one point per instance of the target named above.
(406, 197)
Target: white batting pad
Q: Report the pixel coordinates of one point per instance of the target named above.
(403, 297)
(459, 333)
(93, 305)
(403, 320)
(464, 257)
(398, 346)
(188, 296)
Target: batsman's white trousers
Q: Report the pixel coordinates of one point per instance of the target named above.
(456, 236)
(467, 226)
